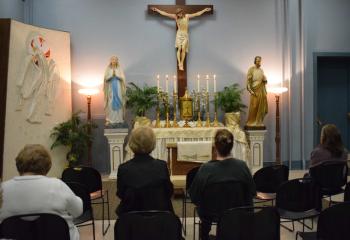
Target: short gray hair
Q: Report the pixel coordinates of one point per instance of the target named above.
(142, 140)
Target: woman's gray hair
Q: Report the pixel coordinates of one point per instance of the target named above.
(142, 140)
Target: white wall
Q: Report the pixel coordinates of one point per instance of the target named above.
(285, 33)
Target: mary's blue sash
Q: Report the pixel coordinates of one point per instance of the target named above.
(116, 101)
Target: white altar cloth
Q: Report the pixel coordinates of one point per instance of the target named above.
(175, 135)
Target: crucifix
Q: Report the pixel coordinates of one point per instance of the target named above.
(181, 13)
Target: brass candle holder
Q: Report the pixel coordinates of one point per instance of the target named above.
(207, 114)
(175, 124)
(215, 122)
(166, 102)
(198, 105)
(163, 96)
(158, 110)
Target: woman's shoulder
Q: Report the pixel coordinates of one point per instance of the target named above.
(320, 151)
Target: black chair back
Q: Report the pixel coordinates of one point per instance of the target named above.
(81, 191)
(87, 176)
(268, 179)
(159, 225)
(347, 193)
(41, 226)
(334, 222)
(331, 175)
(221, 196)
(298, 195)
(190, 176)
(154, 196)
(248, 223)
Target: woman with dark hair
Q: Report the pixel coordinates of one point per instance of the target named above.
(224, 168)
(331, 147)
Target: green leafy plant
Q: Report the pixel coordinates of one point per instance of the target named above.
(139, 100)
(229, 99)
(75, 135)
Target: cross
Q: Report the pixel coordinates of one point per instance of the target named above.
(188, 9)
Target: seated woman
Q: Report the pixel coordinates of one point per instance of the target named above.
(33, 192)
(331, 147)
(224, 168)
(143, 183)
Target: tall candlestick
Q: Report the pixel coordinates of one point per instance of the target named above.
(166, 83)
(198, 86)
(207, 77)
(158, 84)
(214, 83)
(175, 90)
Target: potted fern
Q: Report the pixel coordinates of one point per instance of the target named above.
(230, 101)
(75, 135)
(140, 100)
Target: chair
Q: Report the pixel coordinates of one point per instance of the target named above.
(267, 181)
(249, 223)
(87, 215)
(333, 223)
(186, 198)
(157, 225)
(91, 178)
(331, 176)
(153, 196)
(297, 200)
(217, 198)
(38, 226)
(347, 192)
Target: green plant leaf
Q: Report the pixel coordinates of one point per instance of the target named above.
(229, 99)
(140, 100)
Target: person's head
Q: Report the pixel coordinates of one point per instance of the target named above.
(257, 61)
(180, 13)
(331, 140)
(223, 142)
(114, 61)
(142, 140)
(33, 159)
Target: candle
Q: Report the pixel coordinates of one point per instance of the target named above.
(175, 90)
(207, 77)
(214, 83)
(198, 87)
(167, 83)
(158, 84)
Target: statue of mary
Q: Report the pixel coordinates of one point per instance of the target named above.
(114, 91)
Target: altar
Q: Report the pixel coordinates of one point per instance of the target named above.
(166, 136)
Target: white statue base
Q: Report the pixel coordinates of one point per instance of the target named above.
(256, 144)
(115, 137)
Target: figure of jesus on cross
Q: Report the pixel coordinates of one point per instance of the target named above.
(182, 21)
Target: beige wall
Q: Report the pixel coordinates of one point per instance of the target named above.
(18, 131)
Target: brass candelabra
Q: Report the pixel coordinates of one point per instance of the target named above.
(215, 121)
(158, 110)
(175, 124)
(198, 107)
(207, 114)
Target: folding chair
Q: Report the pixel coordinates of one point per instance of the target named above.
(267, 181)
(36, 226)
(158, 225)
(249, 223)
(91, 178)
(87, 215)
(333, 223)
